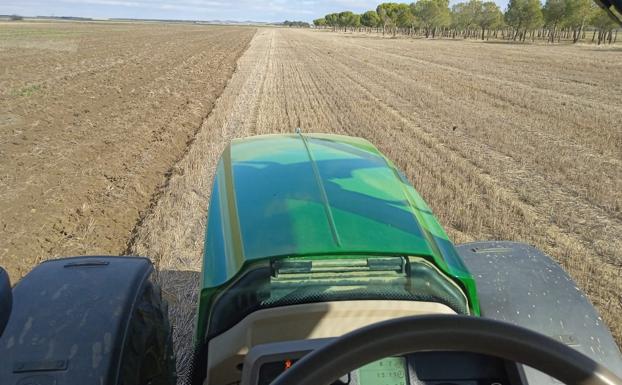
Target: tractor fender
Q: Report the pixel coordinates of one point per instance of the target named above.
(6, 299)
(70, 319)
(519, 284)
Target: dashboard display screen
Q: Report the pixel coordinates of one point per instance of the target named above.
(388, 371)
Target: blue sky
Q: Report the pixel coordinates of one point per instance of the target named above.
(240, 10)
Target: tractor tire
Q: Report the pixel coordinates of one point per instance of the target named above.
(148, 357)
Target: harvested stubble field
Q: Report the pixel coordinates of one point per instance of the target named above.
(505, 141)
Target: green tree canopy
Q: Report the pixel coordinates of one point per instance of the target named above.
(389, 10)
(300, 24)
(356, 20)
(477, 14)
(524, 14)
(348, 19)
(332, 19)
(490, 16)
(432, 13)
(321, 22)
(554, 12)
(578, 12)
(577, 15)
(370, 19)
(345, 18)
(605, 24)
(404, 16)
(485, 15)
(466, 15)
(601, 20)
(391, 14)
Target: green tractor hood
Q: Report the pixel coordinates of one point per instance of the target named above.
(316, 195)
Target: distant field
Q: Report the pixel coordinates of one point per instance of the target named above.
(92, 117)
(505, 141)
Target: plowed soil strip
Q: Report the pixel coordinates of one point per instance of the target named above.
(92, 117)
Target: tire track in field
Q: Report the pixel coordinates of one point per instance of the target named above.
(172, 234)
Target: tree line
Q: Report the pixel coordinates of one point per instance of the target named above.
(554, 21)
(298, 24)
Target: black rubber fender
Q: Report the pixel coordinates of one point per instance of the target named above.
(6, 299)
(519, 284)
(70, 321)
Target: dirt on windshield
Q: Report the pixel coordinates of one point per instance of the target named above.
(92, 118)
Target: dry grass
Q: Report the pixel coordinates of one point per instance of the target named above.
(504, 142)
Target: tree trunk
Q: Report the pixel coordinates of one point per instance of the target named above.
(552, 39)
(577, 36)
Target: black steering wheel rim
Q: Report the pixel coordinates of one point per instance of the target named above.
(446, 333)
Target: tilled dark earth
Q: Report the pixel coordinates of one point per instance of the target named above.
(92, 118)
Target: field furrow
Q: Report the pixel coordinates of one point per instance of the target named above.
(92, 117)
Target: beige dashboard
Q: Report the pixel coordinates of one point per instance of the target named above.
(306, 321)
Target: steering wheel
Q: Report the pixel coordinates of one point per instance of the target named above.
(446, 333)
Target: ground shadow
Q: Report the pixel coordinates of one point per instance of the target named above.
(606, 49)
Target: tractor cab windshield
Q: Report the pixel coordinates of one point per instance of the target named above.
(295, 281)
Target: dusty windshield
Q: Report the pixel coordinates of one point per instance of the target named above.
(296, 281)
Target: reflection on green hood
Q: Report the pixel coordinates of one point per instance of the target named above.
(318, 196)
